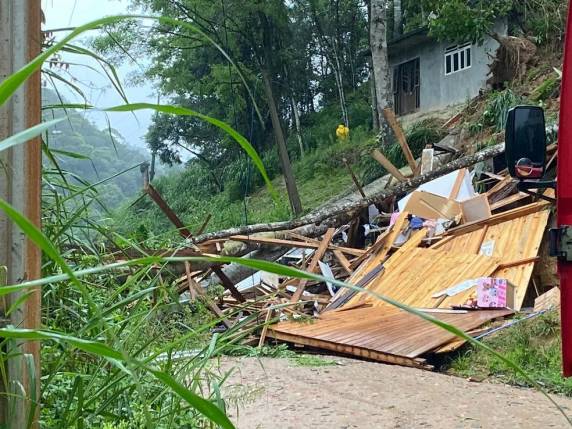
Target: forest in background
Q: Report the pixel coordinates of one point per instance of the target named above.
(92, 155)
(308, 61)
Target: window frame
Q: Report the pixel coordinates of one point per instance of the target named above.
(460, 58)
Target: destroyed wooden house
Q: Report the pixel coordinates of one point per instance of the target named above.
(468, 259)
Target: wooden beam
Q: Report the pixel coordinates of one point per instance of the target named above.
(317, 257)
(158, 199)
(309, 244)
(204, 225)
(228, 285)
(509, 200)
(400, 136)
(199, 291)
(389, 167)
(457, 185)
(518, 262)
(499, 218)
(346, 265)
(265, 326)
(354, 178)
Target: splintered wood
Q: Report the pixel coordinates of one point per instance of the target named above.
(433, 256)
(433, 280)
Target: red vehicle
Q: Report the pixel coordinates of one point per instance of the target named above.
(525, 155)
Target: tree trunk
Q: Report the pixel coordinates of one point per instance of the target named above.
(296, 115)
(340, 83)
(343, 213)
(295, 202)
(397, 18)
(380, 61)
(373, 95)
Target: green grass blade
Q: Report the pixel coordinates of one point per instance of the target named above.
(206, 408)
(28, 134)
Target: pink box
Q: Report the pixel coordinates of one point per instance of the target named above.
(494, 293)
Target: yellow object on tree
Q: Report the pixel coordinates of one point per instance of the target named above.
(342, 132)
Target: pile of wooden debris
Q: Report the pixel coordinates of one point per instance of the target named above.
(464, 257)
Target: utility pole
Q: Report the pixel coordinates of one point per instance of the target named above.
(20, 185)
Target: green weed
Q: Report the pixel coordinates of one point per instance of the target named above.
(312, 361)
(533, 344)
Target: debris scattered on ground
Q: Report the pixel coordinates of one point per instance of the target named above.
(459, 256)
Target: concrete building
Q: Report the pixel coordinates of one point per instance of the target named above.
(431, 75)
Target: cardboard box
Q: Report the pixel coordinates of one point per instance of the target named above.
(494, 293)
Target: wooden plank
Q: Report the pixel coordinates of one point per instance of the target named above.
(318, 255)
(199, 291)
(265, 327)
(371, 250)
(308, 244)
(345, 264)
(347, 350)
(427, 157)
(457, 185)
(509, 200)
(499, 218)
(476, 209)
(204, 225)
(158, 199)
(548, 300)
(387, 164)
(431, 206)
(400, 136)
(476, 245)
(228, 285)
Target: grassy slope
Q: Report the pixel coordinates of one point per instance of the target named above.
(533, 344)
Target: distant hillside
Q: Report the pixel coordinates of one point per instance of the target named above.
(106, 149)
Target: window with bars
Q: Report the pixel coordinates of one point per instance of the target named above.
(457, 58)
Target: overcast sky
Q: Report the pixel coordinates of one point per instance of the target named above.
(96, 86)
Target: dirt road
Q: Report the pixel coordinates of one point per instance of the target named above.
(278, 394)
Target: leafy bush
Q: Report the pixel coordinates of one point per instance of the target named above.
(497, 107)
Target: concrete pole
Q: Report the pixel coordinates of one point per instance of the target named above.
(20, 185)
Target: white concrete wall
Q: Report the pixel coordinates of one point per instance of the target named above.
(439, 91)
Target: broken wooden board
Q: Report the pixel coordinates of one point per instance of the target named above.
(384, 334)
(413, 276)
(548, 300)
(476, 209)
(430, 206)
(511, 236)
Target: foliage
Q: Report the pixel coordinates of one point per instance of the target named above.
(534, 345)
(460, 20)
(549, 88)
(497, 106)
(544, 20)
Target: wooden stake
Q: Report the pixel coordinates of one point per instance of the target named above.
(318, 255)
(386, 163)
(400, 136)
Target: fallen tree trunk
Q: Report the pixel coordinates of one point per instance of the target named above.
(341, 214)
